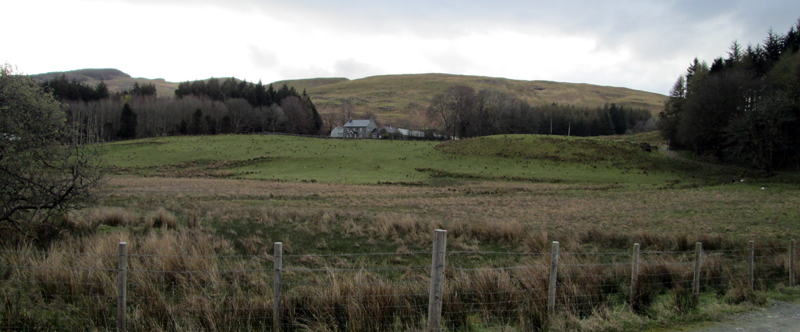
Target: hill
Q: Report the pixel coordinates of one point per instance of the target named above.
(400, 100)
(309, 83)
(115, 79)
(85, 75)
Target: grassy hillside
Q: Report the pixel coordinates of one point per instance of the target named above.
(115, 79)
(396, 98)
(309, 83)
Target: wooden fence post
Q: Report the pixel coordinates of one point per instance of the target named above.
(634, 273)
(698, 261)
(551, 293)
(121, 286)
(276, 296)
(751, 275)
(437, 281)
(792, 281)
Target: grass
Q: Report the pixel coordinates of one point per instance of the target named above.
(532, 158)
(179, 202)
(543, 183)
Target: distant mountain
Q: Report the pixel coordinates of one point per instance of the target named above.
(402, 99)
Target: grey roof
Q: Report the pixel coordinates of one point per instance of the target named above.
(358, 123)
(389, 130)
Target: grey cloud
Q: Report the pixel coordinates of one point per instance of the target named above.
(612, 21)
(654, 31)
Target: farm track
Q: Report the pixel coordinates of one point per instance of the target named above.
(776, 316)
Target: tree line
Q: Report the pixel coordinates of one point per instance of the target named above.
(462, 112)
(72, 90)
(198, 110)
(256, 94)
(743, 108)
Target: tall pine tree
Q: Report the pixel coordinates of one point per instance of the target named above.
(127, 123)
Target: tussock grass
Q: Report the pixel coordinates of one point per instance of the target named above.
(186, 279)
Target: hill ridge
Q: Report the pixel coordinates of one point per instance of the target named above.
(401, 99)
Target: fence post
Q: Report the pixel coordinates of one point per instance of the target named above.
(751, 275)
(634, 273)
(121, 286)
(437, 280)
(792, 281)
(551, 293)
(698, 257)
(276, 296)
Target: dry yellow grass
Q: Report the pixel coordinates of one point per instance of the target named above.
(190, 275)
(499, 212)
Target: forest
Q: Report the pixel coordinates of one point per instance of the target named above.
(199, 108)
(742, 109)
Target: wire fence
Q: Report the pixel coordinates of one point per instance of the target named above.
(366, 292)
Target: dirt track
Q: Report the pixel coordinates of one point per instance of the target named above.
(776, 316)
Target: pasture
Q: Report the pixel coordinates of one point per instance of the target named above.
(526, 158)
(356, 214)
(527, 184)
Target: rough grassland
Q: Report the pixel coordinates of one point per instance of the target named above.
(529, 184)
(180, 202)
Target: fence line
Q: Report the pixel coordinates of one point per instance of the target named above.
(89, 292)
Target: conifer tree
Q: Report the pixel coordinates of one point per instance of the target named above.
(127, 123)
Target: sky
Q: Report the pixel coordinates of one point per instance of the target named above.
(638, 44)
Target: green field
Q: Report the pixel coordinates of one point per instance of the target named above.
(527, 158)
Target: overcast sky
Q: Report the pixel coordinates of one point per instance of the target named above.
(640, 44)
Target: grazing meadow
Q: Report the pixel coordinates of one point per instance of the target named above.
(182, 202)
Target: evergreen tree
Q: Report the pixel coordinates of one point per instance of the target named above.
(101, 91)
(226, 125)
(670, 116)
(183, 128)
(128, 123)
(197, 122)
